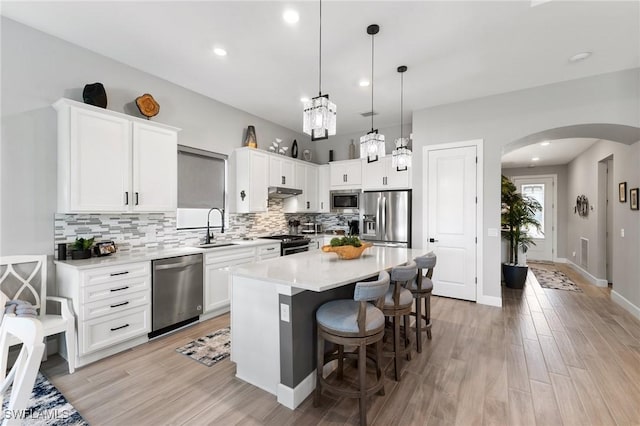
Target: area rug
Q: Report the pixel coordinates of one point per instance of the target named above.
(47, 406)
(554, 279)
(209, 349)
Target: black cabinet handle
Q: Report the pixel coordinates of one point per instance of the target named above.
(284, 180)
(119, 273)
(136, 198)
(272, 248)
(308, 204)
(119, 304)
(126, 198)
(433, 240)
(118, 328)
(119, 289)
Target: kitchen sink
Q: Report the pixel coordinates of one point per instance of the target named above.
(216, 245)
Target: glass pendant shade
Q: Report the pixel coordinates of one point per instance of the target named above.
(401, 155)
(319, 118)
(372, 146)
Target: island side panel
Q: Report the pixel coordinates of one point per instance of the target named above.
(255, 344)
(298, 336)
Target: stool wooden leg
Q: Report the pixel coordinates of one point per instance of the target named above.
(362, 373)
(427, 313)
(407, 335)
(419, 325)
(396, 347)
(319, 367)
(340, 362)
(379, 361)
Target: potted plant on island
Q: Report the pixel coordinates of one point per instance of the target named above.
(81, 248)
(517, 216)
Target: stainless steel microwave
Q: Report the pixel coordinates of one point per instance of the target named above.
(346, 201)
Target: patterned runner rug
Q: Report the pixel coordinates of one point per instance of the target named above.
(209, 349)
(47, 406)
(554, 279)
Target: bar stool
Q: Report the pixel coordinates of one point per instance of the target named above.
(353, 323)
(397, 305)
(421, 289)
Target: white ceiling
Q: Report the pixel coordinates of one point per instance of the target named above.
(558, 152)
(454, 50)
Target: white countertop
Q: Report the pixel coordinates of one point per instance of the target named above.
(319, 271)
(151, 254)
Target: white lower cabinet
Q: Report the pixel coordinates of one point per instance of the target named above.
(217, 289)
(316, 243)
(112, 306)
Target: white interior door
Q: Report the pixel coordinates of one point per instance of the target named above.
(451, 220)
(541, 188)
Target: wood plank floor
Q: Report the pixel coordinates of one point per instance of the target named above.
(548, 357)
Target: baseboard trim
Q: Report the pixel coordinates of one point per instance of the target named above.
(490, 300)
(560, 260)
(292, 397)
(625, 303)
(598, 282)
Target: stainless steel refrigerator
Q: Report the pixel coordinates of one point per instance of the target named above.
(386, 218)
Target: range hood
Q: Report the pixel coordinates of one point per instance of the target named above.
(279, 192)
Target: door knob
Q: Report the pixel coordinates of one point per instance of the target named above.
(433, 240)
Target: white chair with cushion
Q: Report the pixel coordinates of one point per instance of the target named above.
(353, 323)
(22, 376)
(25, 278)
(397, 305)
(421, 289)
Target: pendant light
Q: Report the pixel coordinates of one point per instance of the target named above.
(319, 114)
(402, 154)
(372, 144)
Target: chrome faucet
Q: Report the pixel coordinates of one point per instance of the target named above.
(207, 239)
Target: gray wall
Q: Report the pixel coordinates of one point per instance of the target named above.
(583, 179)
(564, 204)
(502, 119)
(340, 143)
(37, 70)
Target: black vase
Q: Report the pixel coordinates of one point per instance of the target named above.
(94, 94)
(294, 149)
(514, 276)
(80, 254)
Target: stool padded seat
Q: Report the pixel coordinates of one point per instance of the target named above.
(427, 285)
(406, 298)
(342, 316)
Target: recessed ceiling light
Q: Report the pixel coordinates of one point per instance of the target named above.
(545, 143)
(535, 159)
(290, 16)
(220, 51)
(304, 99)
(364, 83)
(580, 56)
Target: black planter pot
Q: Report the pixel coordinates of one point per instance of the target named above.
(80, 254)
(514, 276)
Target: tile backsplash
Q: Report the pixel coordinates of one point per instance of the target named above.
(138, 232)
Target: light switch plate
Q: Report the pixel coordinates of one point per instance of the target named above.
(622, 232)
(284, 312)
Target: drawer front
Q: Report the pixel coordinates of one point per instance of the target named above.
(123, 286)
(222, 256)
(109, 330)
(264, 251)
(270, 255)
(116, 304)
(115, 273)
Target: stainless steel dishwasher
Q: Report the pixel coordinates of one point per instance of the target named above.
(176, 292)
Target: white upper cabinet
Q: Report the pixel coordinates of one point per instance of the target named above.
(346, 174)
(281, 172)
(249, 189)
(324, 205)
(112, 162)
(381, 175)
(307, 180)
(155, 162)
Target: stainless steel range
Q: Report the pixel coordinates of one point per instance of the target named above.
(291, 244)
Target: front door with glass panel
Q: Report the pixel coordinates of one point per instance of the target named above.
(542, 189)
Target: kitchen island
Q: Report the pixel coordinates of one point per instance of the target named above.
(273, 305)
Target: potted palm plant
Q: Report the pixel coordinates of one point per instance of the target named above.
(517, 216)
(81, 248)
